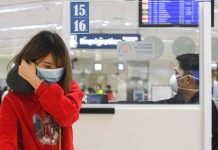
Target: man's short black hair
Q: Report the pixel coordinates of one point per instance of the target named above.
(189, 62)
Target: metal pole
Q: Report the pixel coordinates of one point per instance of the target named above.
(205, 70)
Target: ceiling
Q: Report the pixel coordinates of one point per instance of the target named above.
(21, 19)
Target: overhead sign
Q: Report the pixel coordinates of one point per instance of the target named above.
(79, 17)
(136, 51)
(168, 13)
(100, 41)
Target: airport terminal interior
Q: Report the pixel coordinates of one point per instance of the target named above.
(97, 66)
(122, 54)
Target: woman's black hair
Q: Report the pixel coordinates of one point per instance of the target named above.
(40, 46)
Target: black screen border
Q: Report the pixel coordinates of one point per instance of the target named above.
(212, 12)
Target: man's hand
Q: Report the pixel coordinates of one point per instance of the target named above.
(28, 72)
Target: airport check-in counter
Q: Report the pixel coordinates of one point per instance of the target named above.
(133, 119)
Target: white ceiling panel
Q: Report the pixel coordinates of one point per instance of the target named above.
(21, 19)
(17, 2)
(114, 15)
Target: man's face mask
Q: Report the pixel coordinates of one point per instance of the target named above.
(174, 85)
(50, 75)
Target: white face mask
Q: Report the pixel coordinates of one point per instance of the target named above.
(50, 75)
(174, 85)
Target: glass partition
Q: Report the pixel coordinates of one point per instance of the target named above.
(140, 69)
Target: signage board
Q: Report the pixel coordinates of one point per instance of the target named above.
(79, 17)
(100, 41)
(136, 51)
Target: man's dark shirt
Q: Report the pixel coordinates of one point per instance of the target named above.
(178, 99)
(214, 127)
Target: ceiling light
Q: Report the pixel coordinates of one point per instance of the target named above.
(26, 8)
(127, 24)
(120, 67)
(59, 27)
(96, 21)
(58, 3)
(98, 67)
(104, 25)
(106, 22)
(41, 26)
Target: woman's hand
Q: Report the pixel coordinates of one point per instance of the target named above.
(28, 72)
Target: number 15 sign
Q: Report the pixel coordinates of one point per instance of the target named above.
(79, 17)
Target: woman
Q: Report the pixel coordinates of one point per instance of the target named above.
(41, 119)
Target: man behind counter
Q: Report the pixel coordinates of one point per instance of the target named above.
(185, 83)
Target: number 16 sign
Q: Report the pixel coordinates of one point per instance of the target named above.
(79, 17)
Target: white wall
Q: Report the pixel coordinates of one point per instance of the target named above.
(3, 67)
(148, 128)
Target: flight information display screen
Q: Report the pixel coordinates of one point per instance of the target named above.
(168, 13)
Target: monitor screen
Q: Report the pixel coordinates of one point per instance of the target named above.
(97, 99)
(160, 13)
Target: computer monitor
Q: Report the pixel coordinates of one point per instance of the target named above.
(97, 99)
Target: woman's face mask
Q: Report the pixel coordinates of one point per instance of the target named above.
(174, 85)
(50, 75)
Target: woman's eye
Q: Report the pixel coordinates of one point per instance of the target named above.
(47, 67)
